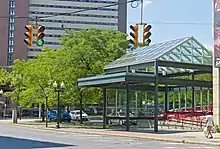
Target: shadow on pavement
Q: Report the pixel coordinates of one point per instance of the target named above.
(18, 143)
(160, 131)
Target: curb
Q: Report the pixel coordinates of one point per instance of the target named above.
(110, 133)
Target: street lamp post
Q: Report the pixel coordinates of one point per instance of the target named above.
(58, 89)
(1, 93)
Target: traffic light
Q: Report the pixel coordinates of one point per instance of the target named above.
(146, 34)
(29, 35)
(40, 36)
(134, 34)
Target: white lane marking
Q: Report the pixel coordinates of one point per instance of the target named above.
(170, 147)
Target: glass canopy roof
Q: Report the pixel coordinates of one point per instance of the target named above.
(186, 50)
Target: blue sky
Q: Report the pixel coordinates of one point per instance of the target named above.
(158, 12)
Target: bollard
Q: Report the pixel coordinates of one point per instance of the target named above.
(14, 116)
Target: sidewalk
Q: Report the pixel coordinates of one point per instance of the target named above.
(171, 135)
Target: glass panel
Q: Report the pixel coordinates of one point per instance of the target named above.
(187, 44)
(197, 60)
(175, 57)
(185, 51)
(207, 60)
(197, 52)
(206, 52)
(177, 50)
(185, 59)
(195, 44)
(165, 57)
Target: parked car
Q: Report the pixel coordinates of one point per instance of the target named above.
(75, 115)
(65, 116)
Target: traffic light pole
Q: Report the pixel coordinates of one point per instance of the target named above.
(141, 11)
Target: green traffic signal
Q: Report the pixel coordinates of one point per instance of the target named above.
(40, 42)
(147, 42)
(40, 35)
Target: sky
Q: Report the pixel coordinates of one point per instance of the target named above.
(167, 18)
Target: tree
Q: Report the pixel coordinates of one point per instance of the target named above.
(85, 54)
(4, 77)
(16, 82)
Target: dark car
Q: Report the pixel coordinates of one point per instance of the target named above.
(65, 116)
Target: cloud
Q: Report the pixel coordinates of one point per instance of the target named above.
(147, 2)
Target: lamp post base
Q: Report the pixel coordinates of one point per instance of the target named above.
(57, 125)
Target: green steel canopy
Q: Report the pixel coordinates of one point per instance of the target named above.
(179, 57)
(155, 68)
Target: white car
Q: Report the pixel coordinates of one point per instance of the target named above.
(75, 115)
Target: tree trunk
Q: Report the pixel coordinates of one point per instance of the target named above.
(43, 111)
(81, 98)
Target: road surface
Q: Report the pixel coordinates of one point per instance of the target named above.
(16, 137)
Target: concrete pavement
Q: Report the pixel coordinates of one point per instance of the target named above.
(18, 137)
(174, 135)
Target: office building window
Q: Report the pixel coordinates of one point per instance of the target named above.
(10, 49)
(12, 4)
(11, 12)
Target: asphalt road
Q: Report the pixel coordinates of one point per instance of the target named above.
(16, 137)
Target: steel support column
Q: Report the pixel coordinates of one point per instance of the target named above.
(186, 98)
(116, 101)
(156, 97)
(208, 98)
(104, 107)
(201, 100)
(166, 98)
(179, 93)
(127, 105)
(174, 100)
(193, 92)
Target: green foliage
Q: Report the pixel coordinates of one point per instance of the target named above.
(16, 81)
(83, 53)
(217, 129)
(4, 77)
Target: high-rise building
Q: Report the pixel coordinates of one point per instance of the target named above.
(56, 16)
(12, 21)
